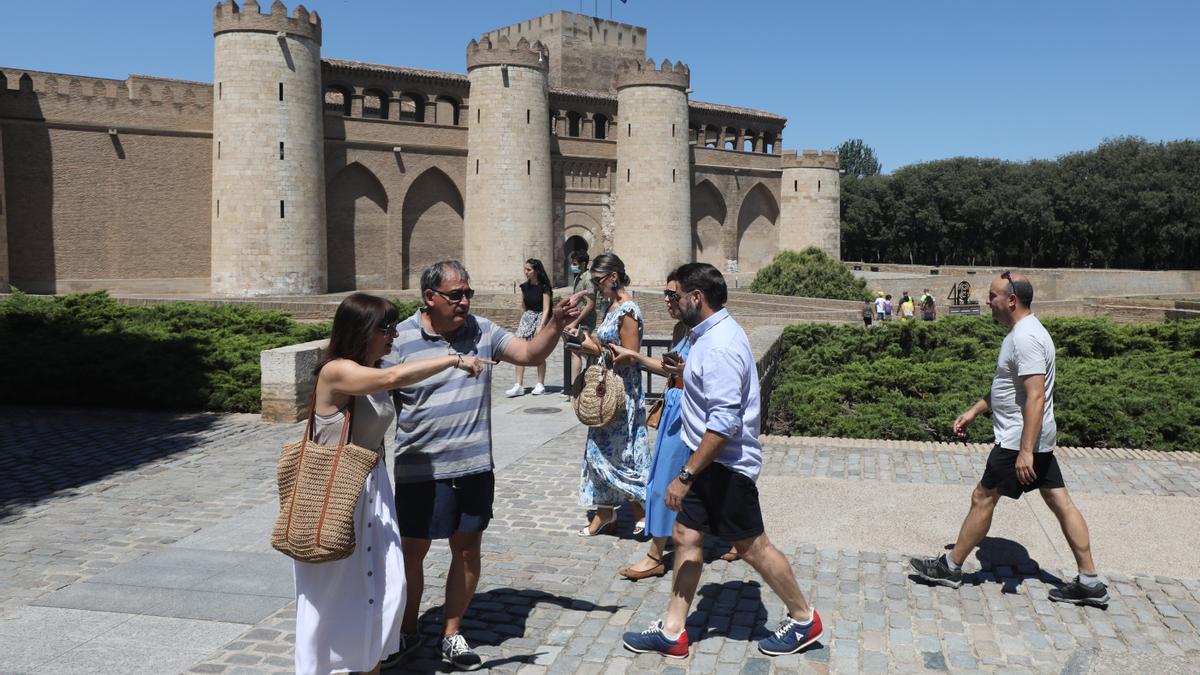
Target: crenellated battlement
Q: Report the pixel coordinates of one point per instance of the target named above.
(150, 100)
(502, 51)
(811, 159)
(228, 17)
(635, 73)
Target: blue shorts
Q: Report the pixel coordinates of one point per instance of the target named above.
(436, 509)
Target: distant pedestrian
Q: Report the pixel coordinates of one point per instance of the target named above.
(715, 491)
(868, 312)
(535, 301)
(907, 309)
(1022, 404)
(928, 308)
(585, 323)
(880, 307)
(887, 307)
(616, 458)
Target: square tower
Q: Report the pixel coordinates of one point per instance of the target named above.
(585, 51)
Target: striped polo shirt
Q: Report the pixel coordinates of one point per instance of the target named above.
(444, 423)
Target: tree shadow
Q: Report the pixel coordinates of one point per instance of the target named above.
(495, 616)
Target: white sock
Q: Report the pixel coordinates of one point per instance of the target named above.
(804, 623)
(670, 637)
(954, 567)
(1089, 579)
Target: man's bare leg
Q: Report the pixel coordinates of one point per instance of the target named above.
(977, 523)
(465, 563)
(775, 569)
(414, 551)
(1073, 525)
(689, 563)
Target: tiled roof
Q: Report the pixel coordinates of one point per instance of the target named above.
(396, 70)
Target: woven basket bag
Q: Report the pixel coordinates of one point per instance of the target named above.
(319, 486)
(599, 394)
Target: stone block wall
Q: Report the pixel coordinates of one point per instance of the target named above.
(288, 378)
(810, 204)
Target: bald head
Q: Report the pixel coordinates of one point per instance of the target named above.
(1016, 284)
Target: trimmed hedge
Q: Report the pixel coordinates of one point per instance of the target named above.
(1117, 385)
(810, 273)
(89, 350)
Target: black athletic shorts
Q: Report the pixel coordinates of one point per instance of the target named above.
(724, 503)
(436, 509)
(1001, 473)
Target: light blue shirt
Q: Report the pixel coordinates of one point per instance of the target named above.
(720, 393)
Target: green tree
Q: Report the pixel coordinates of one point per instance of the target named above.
(810, 273)
(857, 159)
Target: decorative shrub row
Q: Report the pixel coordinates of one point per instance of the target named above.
(89, 350)
(1117, 385)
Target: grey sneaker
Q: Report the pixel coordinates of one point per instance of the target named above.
(457, 653)
(409, 643)
(1078, 593)
(937, 571)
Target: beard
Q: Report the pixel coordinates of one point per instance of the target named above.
(689, 314)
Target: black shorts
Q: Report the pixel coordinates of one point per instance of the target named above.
(724, 503)
(1001, 473)
(436, 509)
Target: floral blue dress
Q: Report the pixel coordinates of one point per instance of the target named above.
(616, 458)
(670, 454)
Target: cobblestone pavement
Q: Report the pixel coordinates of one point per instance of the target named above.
(84, 492)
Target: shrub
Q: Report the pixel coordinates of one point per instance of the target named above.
(89, 350)
(811, 273)
(1117, 385)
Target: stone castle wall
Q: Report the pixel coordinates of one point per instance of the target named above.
(810, 208)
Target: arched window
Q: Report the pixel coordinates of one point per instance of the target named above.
(447, 111)
(769, 143)
(573, 119)
(337, 101)
(412, 107)
(375, 104)
(748, 144)
(710, 136)
(600, 126)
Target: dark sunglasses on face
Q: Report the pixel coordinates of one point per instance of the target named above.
(671, 296)
(1007, 276)
(387, 329)
(597, 282)
(456, 296)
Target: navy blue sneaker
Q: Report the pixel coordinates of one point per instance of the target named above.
(792, 636)
(654, 640)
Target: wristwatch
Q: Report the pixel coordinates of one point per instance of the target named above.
(686, 477)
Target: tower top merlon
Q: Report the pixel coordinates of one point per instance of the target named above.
(228, 18)
(638, 73)
(811, 159)
(503, 52)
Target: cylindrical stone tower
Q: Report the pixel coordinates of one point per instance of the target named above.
(268, 189)
(509, 215)
(653, 230)
(810, 205)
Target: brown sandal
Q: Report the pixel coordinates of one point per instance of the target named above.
(731, 555)
(658, 570)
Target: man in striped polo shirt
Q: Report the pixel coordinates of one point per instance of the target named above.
(444, 479)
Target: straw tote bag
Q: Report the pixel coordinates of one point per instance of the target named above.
(599, 394)
(319, 487)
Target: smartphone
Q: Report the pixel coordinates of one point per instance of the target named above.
(671, 358)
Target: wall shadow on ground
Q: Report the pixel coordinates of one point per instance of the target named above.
(54, 451)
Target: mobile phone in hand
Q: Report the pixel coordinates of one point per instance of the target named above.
(671, 358)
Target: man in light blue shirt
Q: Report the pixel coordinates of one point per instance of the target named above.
(715, 491)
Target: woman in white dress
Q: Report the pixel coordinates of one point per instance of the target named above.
(348, 611)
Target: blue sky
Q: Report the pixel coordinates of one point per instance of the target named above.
(917, 79)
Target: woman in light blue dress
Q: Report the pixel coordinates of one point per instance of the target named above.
(616, 458)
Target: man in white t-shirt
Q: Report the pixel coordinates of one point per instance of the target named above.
(879, 307)
(1022, 404)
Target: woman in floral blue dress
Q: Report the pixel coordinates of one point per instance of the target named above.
(616, 459)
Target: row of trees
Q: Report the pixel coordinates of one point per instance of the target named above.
(1129, 203)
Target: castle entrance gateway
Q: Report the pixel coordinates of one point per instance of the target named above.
(433, 224)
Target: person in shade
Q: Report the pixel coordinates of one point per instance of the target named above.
(348, 611)
(444, 481)
(1022, 404)
(715, 493)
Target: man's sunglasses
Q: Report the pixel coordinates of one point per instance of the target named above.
(456, 296)
(671, 296)
(1007, 276)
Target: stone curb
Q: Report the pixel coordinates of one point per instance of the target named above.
(968, 448)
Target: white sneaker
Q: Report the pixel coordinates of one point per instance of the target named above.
(538, 389)
(514, 391)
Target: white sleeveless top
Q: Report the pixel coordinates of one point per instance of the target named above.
(373, 414)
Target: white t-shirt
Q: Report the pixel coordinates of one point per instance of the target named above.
(879, 305)
(1026, 350)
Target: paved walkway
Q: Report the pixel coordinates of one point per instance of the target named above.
(138, 543)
